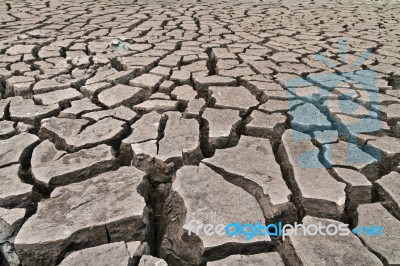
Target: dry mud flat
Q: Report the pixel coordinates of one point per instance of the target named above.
(122, 121)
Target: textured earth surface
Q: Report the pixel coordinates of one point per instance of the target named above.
(121, 121)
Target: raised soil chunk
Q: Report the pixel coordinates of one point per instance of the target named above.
(308, 118)
(179, 145)
(121, 112)
(349, 155)
(245, 165)
(184, 93)
(156, 105)
(326, 249)
(25, 110)
(122, 95)
(78, 108)
(94, 89)
(266, 125)
(48, 85)
(57, 97)
(386, 149)
(17, 149)
(181, 142)
(189, 207)
(195, 108)
(221, 127)
(15, 193)
(316, 190)
(358, 187)
(52, 168)
(13, 217)
(237, 98)
(148, 260)
(145, 129)
(71, 135)
(388, 188)
(278, 106)
(93, 212)
(147, 81)
(203, 83)
(7, 129)
(104, 255)
(262, 259)
(387, 247)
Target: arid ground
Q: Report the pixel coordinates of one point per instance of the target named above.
(124, 123)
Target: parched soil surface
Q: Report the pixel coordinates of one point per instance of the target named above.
(124, 122)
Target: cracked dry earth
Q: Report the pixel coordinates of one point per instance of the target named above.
(120, 121)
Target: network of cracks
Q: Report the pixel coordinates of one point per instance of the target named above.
(122, 121)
